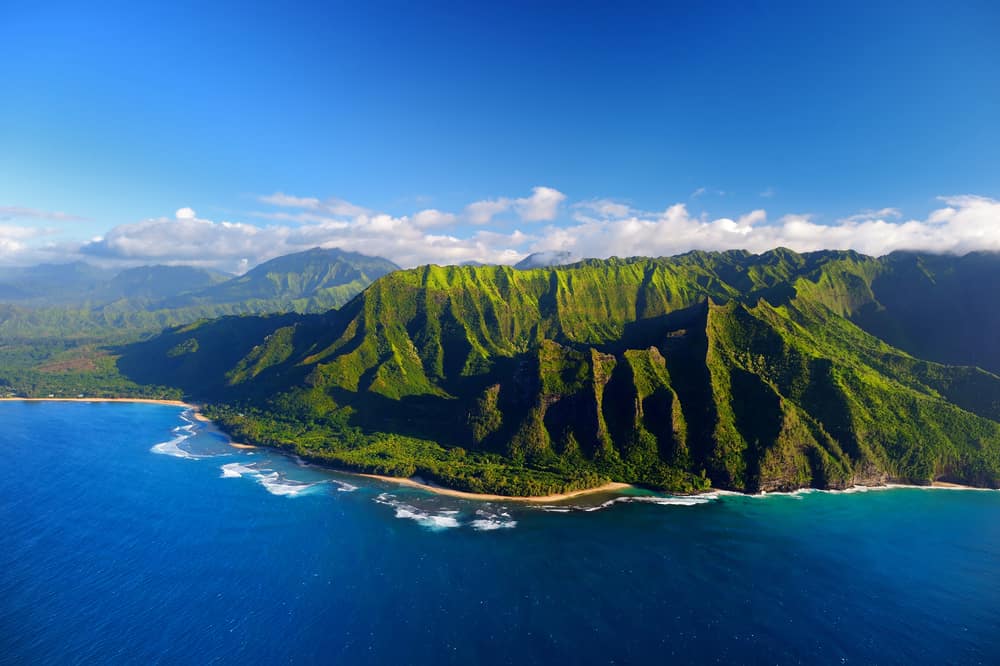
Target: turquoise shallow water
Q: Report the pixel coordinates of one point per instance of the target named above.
(130, 534)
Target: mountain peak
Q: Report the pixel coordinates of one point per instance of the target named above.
(546, 259)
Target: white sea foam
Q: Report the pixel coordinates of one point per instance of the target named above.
(272, 481)
(172, 448)
(235, 470)
(487, 524)
(184, 432)
(489, 520)
(276, 485)
(434, 521)
(692, 500)
(794, 494)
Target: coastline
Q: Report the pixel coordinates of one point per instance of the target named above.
(607, 488)
(610, 487)
(150, 401)
(617, 487)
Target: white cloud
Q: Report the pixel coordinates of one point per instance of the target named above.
(23, 212)
(752, 218)
(968, 223)
(331, 206)
(182, 239)
(289, 201)
(600, 208)
(541, 206)
(14, 247)
(768, 193)
(299, 218)
(598, 228)
(483, 212)
(871, 215)
(236, 246)
(433, 218)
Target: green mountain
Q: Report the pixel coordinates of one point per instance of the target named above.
(152, 284)
(545, 260)
(94, 304)
(748, 372)
(53, 284)
(309, 281)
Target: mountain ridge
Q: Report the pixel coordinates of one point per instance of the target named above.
(741, 371)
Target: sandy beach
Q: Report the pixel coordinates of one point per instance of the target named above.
(151, 401)
(606, 488)
(956, 486)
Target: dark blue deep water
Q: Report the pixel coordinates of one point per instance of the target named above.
(130, 534)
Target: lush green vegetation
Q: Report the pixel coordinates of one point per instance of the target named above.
(61, 327)
(327, 441)
(81, 368)
(732, 369)
(750, 372)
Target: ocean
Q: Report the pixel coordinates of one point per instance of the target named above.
(130, 533)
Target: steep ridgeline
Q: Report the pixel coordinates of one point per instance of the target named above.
(745, 371)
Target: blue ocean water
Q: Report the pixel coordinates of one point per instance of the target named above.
(131, 534)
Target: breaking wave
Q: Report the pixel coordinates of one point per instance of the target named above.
(184, 432)
(274, 482)
(692, 500)
(172, 448)
(489, 520)
(440, 520)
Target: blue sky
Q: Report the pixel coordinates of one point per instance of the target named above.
(121, 115)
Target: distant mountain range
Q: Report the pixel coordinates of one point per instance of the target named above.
(79, 299)
(749, 372)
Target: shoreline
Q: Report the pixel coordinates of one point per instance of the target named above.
(610, 487)
(439, 490)
(148, 401)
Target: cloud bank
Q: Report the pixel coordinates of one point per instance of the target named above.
(14, 240)
(504, 230)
